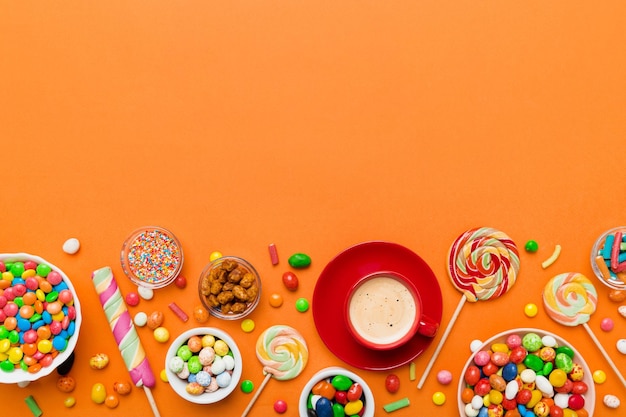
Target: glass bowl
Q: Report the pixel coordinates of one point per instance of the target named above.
(70, 310)
(208, 349)
(152, 257)
(229, 288)
(602, 259)
(327, 374)
(501, 340)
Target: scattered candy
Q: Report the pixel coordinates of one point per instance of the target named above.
(622, 311)
(475, 345)
(280, 406)
(247, 325)
(611, 401)
(276, 300)
(299, 260)
(145, 293)
(606, 324)
(69, 402)
(141, 319)
(180, 282)
(621, 346)
(444, 377)
(155, 319)
(302, 305)
(200, 314)
(439, 398)
(273, 253)
(71, 246)
(32, 406)
(552, 258)
(396, 405)
(98, 393)
(531, 246)
(111, 401)
(531, 309)
(161, 334)
(392, 383)
(599, 376)
(412, 371)
(99, 361)
(617, 296)
(122, 388)
(290, 280)
(247, 386)
(132, 299)
(163, 376)
(66, 384)
(179, 312)
(215, 255)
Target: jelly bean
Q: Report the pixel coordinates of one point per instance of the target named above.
(499, 358)
(299, 260)
(557, 378)
(354, 392)
(17, 269)
(482, 358)
(98, 393)
(338, 410)
(324, 408)
(482, 387)
(325, 389)
(566, 350)
(341, 382)
(490, 368)
(509, 372)
(576, 401)
(611, 401)
(475, 345)
(543, 385)
(495, 397)
(517, 355)
(341, 397)
(290, 281)
(353, 407)
(579, 387)
(533, 362)
(69, 402)
(511, 390)
(392, 383)
(532, 342)
(444, 377)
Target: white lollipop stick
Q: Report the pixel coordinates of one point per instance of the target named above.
(442, 341)
(256, 395)
(151, 401)
(606, 355)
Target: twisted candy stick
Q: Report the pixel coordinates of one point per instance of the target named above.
(124, 331)
(483, 263)
(570, 299)
(283, 353)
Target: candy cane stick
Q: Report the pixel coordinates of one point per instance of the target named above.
(124, 332)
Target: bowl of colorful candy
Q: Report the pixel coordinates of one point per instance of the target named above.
(608, 258)
(529, 370)
(151, 257)
(229, 287)
(336, 391)
(39, 318)
(203, 365)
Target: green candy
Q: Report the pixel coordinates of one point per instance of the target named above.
(341, 382)
(52, 296)
(299, 260)
(533, 362)
(17, 269)
(43, 270)
(338, 410)
(19, 301)
(567, 350)
(194, 364)
(247, 386)
(531, 246)
(4, 333)
(564, 362)
(184, 353)
(7, 366)
(532, 342)
(302, 305)
(34, 318)
(547, 368)
(14, 336)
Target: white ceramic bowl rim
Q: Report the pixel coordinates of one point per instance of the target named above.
(19, 376)
(590, 399)
(178, 385)
(330, 372)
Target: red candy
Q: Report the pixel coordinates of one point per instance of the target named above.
(392, 383)
(472, 375)
(355, 392)
(482, 387)
(290, 280)
(280, 406)
(576, 402)
(132, 299)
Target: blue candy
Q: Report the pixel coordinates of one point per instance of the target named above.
(59, 343)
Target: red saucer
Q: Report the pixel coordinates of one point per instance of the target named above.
(340, 275)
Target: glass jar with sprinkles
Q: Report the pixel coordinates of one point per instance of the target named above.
(152, 257)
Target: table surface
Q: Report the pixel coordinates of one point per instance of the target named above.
(314, 126)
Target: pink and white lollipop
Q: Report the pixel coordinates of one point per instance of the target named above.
(483, 263)
(570, 299)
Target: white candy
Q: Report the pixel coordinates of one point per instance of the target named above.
(511, 390)
(71, 246)
(145, 293)
(528, 376)
(218, 366)
(561, 400)
(229, 362)
(549, 341)
(611, 401)
(475, 345)
(470, 411)
(622, 311)
(621, 346)
(477, 402)
(544, 386)
(141, 319)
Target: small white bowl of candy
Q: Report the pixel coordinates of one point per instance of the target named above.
(336, 387)
(529, 370)
(203, 365)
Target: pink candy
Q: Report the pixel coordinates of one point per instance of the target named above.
(606, 324)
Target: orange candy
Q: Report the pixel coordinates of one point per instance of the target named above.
(467, 394)
(29, 298)
(325, 389)
(10, 323)
(29, 349)
(27, 311)
(44, 332)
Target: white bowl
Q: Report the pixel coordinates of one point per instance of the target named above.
(179, 385)
(329, 373)
(19, 376)
(590, 396)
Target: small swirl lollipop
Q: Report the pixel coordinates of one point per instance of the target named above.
(483, 263)
(570, 299)
(283, 353)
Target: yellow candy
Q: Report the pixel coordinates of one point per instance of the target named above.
(98, 393)
(7, 276)
(557, 378)
(163, 376)
(495, 397)
(69, 402)
(161, 334)
(247, 325)
(15, 354)
(208, 340)
(439, 398)
(44, 346)
(215, 255)
(29, 273)
(541, 409)
(58, 316)
(599, 377)
(577, 373)
(568, 412)
(4, 345)
(486, 401)
(41, 296)
(535, 397)
(221, 348)
(531, 310)
(353, 408)
(500, 347)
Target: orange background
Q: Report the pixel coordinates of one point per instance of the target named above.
(314, 125)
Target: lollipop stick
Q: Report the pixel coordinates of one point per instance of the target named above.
(606, 355)
(153, 405)
(442, 341)
(256, 395)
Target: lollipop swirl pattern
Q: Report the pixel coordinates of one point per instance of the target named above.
(570, 298)
(282, 351)
(483, 263)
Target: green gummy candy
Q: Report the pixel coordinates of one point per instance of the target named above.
(396, 405)
(32, 406)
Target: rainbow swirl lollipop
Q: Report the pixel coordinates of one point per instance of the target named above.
(570, 299)
(483, 263)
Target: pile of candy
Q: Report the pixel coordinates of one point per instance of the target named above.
(205, 362)
(336, 396)
(527, 375)
(37, 315)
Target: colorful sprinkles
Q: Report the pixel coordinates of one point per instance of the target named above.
(154, 256)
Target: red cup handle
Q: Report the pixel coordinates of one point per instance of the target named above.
(427, 326)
